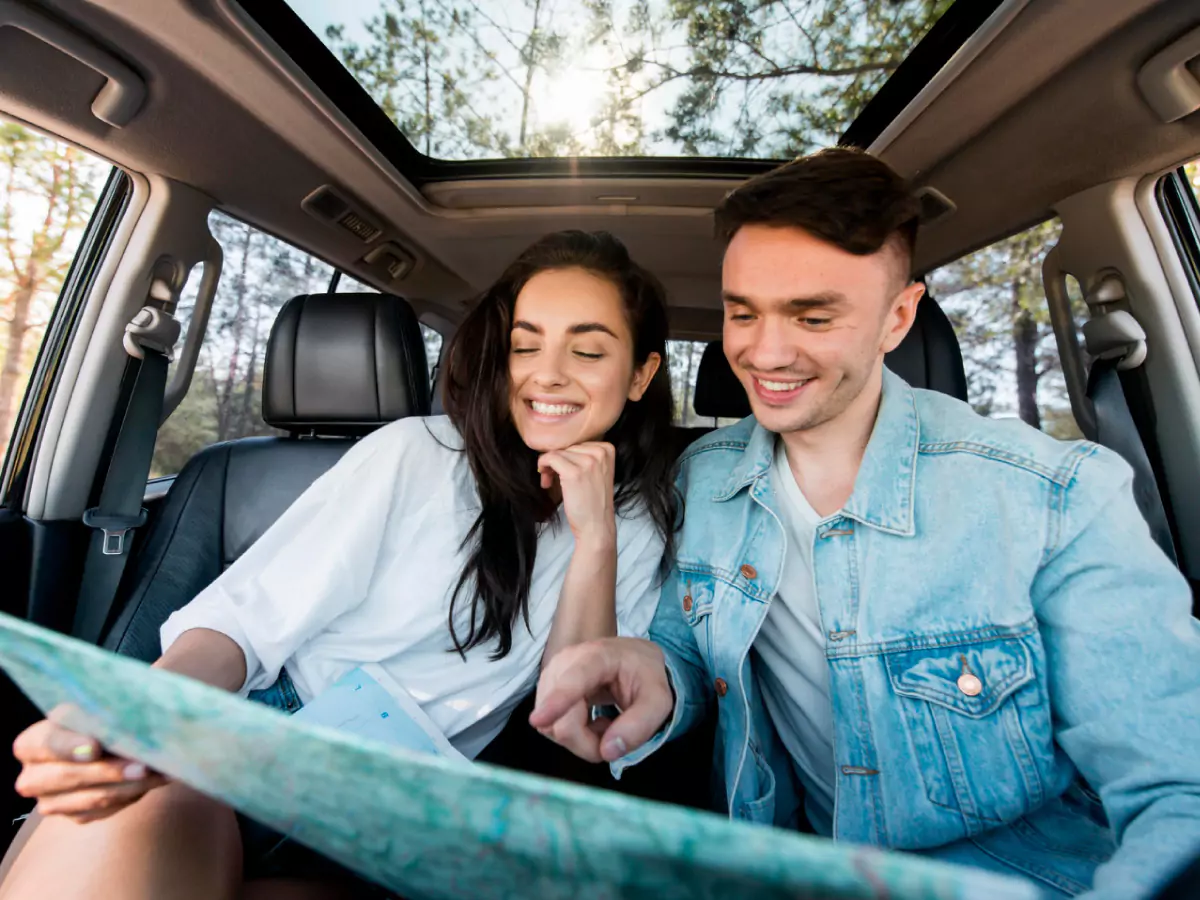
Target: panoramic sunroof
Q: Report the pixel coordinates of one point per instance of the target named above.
(445, 87)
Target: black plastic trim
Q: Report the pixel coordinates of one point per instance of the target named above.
(1181, 210)
(277, 19)
(940, 43)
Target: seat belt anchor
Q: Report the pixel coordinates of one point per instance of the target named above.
(153, 329)
(115, 528)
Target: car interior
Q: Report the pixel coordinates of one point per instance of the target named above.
(1005, 115)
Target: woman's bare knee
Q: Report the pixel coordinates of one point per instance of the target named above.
(173, 843)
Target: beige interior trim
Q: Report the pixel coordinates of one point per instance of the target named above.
(1105, 228)
(171, 220)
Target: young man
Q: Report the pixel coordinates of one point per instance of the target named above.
(957, 634)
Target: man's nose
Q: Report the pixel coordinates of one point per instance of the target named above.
(772, 347)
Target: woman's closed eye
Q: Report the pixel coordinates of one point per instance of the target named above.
(586, 354)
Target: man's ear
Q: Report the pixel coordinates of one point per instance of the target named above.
(643, 375)
(901, 315)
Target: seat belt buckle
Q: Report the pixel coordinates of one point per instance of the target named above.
(114, 528)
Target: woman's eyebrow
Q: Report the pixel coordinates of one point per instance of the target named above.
(522, 325)
(591, 328)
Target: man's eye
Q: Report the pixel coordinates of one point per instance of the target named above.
(741, 317)
(816, 323)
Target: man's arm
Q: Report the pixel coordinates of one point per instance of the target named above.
(1123, 654)
(655, 682)
(685, 670)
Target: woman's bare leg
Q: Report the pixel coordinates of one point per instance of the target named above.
(170, 845)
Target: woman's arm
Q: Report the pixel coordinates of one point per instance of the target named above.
(587, 602)
(207, 656)
(587, 607)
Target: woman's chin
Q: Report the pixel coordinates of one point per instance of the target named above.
(545, 438)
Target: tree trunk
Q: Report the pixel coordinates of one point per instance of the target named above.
(1025, 342)
(18, 325)
(530, 61)
(225, 394)
(689, 379)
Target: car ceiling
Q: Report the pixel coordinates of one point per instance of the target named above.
(1048, 108)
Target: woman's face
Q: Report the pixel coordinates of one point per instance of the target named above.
(571, 367)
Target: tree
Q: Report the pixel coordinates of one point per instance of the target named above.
(48, 192)
(995, 299)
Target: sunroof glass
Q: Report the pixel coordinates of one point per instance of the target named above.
(494, 79)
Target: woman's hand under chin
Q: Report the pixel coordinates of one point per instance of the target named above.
(585, 476)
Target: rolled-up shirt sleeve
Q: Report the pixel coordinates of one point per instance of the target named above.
(312, 566)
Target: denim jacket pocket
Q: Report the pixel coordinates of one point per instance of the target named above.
(969, 709)
(762, 808)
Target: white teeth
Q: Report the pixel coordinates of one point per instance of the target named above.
(554, 409)
(782, 385)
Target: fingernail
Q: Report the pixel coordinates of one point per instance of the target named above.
(617, 745)
(84, 752)
(134, 772)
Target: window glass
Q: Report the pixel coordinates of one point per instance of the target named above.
(489, 79)
(48, 191)
(996, 301)
(433, 339)
(224, 401)
(683, 364)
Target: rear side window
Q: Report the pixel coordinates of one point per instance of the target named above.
(224, 400)
(996, 301)
(48, 192)
(683, 365)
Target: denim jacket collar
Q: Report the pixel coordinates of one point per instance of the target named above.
(887, 480)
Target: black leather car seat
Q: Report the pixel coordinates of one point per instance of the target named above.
(337, 366)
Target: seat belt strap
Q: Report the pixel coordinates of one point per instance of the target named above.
(1117, 430)
(148, 339)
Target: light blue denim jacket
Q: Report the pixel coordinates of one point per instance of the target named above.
(969, 546)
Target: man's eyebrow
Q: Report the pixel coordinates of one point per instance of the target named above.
(796, 304)
(817, 301)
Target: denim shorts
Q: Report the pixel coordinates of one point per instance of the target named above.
(269, 854)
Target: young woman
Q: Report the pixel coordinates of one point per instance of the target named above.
(448, 557)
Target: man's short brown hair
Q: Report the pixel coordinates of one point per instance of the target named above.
(843, 196)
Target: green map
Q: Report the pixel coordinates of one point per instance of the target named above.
(428, 827)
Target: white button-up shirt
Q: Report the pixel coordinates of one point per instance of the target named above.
(359, 572)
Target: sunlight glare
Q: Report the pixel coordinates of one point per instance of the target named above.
(570, 97)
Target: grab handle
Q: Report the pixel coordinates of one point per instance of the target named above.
(123, 93)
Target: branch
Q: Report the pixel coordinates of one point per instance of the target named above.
(486, 52)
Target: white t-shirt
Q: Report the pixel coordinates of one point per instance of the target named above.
(793, 672)
(359, 572)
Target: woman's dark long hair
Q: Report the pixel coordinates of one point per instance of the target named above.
(503, 541)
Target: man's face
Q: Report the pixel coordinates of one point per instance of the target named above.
(807, 324)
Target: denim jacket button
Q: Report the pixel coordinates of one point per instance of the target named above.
(687, 602)
(721, 687)
(749, 572)
(970, 684)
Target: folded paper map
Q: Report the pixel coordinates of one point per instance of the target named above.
(431, 827)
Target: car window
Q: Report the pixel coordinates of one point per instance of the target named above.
(433, 339)
(224, 400)
(48, 191)
(995, 299)
(683, 364)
